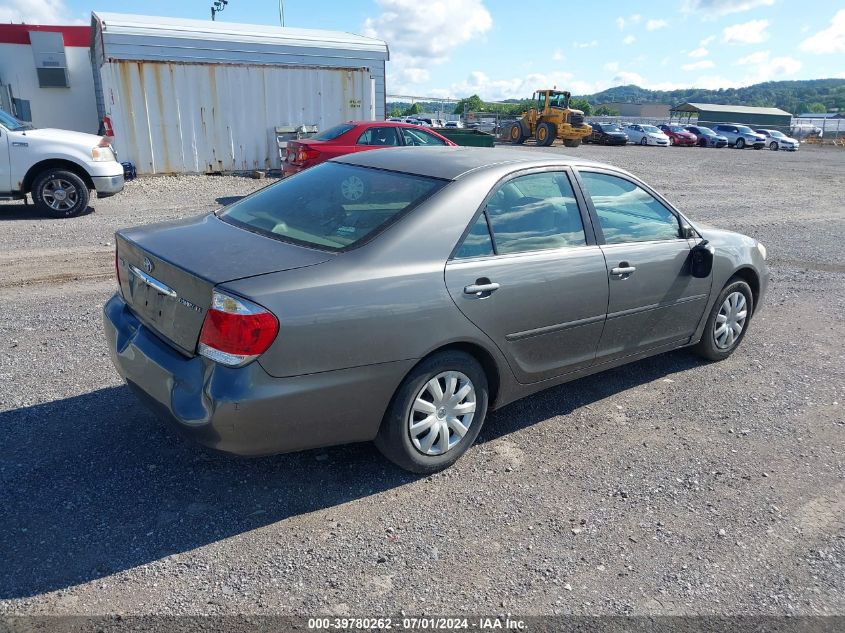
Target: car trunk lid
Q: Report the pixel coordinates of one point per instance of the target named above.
(168, 271)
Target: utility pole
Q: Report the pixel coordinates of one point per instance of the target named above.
(217, 6)
(282, 12)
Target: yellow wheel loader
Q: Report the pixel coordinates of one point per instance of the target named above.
(551, 118)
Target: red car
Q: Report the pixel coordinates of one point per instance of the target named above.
(355, 136)
(679, 136)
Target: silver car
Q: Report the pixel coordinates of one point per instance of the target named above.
(400, 295)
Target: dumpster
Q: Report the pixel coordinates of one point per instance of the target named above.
(467, 136)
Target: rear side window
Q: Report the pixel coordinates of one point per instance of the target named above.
(331, 206)
(529, 213)
(333, 132)
(379, 136)
(628, 213)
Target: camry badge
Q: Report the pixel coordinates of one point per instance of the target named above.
(148, 265)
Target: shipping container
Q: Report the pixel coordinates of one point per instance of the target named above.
(186, 96)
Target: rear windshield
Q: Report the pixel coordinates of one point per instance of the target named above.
(333, 132)
(331, 206)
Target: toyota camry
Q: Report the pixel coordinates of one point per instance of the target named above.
(400, 295)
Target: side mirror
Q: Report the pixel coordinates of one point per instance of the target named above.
(701, 260)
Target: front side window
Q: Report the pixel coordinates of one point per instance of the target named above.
(419, 137)
(379, 136)
(628, 213)
(532, 213)
(331, 206)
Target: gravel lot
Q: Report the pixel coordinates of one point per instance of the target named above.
(670, 486)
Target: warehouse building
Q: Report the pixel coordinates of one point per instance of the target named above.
(191, 96)
(45, 76)
(712, 113)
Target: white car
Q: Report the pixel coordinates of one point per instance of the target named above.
(646, 135)
(778, 140)
(58, 167)
(453, 124)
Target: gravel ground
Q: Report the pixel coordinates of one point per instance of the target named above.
(670, 486)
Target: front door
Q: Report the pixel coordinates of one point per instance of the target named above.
(5, 166)
(654, 300)
(531, 277)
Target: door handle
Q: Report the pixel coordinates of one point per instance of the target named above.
(480, 289)
(623, 269)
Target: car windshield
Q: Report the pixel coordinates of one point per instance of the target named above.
(12, 124)
(706, 131)
(744, 130)
(777, 134)
(331, 206)
(677, 128)
(333, 132)
(611, 128)
(650, 128)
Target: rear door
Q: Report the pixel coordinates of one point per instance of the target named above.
(653, 299)
(531, 277)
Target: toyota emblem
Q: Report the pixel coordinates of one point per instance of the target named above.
(148, 265)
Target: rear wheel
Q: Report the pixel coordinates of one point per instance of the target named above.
(572, 142)
(436, 413)
(728, 321)
(518, 133)
(740, 143)
(545, 134)
(60, 193)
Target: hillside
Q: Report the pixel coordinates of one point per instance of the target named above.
(792, 96)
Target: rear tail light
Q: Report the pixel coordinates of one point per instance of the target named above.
(108, 130)
(301, 153)
(236, 331)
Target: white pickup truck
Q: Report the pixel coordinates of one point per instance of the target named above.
(58, 167)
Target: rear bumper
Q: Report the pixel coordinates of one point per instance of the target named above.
(108, 185)
(245, 411)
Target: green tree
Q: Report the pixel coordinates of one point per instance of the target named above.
(470, 104)
(603, 110)
(817, 107)
(415, 108)
(395, 112)
(581, 104)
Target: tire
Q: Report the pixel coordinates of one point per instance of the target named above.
(572, 142)
(671, 141)
(773, 146)
(518, 133)
(60, 193)
(394, 438)
(740, 143)
(711, 348)
(644, 141)
(545, 134)
(702, 142)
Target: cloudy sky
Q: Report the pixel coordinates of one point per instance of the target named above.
(499, 50)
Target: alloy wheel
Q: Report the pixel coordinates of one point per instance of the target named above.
(352, 188)
(730, 320)
(60, 194)
(442, 413)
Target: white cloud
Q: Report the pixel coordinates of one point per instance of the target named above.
(829, 40)
(708, 40)
(420, 35)
(620, 22)
(558, 55)
(517, 88)
(624, 78)
(724, 7)
(36, 12)
(635, 19)
(611, 67)
(698, 65)
(591, 44)
(653, 25)
(752, 32)
(699, 52)
(754, 58)
(778, 67)
(629, 39)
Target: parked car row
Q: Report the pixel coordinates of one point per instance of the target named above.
(722, 135)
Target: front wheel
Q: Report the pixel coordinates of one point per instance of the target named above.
(740, 143)
(702, 142)
(435, 414)
(644, 141)
(571, 142)
(545, 134)
(728, 321)
(60, 193)
(773, 146)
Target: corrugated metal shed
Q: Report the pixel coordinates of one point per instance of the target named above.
(748, 115)
(198, 96)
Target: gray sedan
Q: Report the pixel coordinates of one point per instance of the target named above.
(400, 295)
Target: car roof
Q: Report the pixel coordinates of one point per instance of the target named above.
(450, 163)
